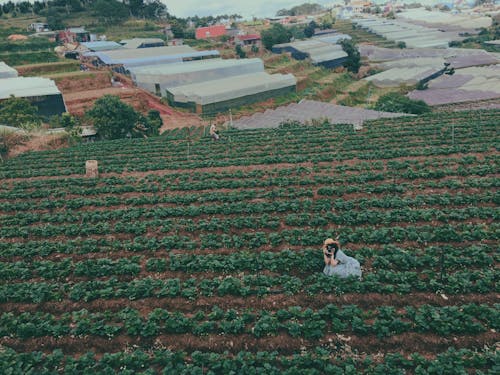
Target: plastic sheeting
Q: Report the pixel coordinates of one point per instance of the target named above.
(6, 71)
(159, 77)
(230, 88)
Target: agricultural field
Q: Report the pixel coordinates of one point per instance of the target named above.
(188, 256)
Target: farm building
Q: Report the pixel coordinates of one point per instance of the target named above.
(73, 35)
(6, 71)
(41, 92)
(210, 31)
(249, 39)
(318, 52)
(101, 45)
(412, 35)
(142, 43)
(157, 78)
(221, 94)
(122, 60)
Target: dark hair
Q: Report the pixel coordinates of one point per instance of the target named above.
(334, 247)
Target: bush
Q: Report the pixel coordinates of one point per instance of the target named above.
(19, 112)
(396, 102)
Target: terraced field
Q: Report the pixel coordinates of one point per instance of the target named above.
(197, 257)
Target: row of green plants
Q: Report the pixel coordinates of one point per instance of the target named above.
(275, 187)
(301, 262)
(317, 360)
(155, 183)
(384, 281)
(295, 321)
(306, 218)
(319, 149)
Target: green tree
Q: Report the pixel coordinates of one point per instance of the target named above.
(396, 102)
(110, 11)
(310, 29)
(353, 61)
(55, 18)
(239, 51)
(275, 35)
(114, 119)
(19, 112)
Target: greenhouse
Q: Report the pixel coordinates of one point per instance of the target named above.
(125, 58)
(157, 78)
(101, 45)
(414, 36)
(318, 52)
(41, 92)
(6, 71)
(219, 95)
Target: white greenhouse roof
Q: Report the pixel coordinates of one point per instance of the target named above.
(230, 88)
(415, 36)
(194, 66)
(396, 76)
(446, 18)
(125, 54)
(101, 45)
(179, 74)
(25, 87)
(317, 50)
(7, 71)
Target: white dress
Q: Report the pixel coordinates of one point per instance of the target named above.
(348, 266)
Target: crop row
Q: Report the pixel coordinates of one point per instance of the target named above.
(294, 321)
(276, 188)
(307, 260)
(275, 157)
(265, 222)
(316, 361)
(304, 149)
(134, 213)
(383, 281)
(154, 183)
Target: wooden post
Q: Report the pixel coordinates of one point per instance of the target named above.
(92, 170)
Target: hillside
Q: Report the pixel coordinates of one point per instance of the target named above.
(190, 256)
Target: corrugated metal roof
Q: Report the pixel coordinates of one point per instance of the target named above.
(192, 66)
(317, 50)
(7, 71)
(25, 87)
(168, 59)
(102, 45)
(136, 42)
(125, 54)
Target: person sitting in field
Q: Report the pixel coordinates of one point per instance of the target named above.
(337, 263)
(213, 132)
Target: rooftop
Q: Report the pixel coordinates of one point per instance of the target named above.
(27, 87)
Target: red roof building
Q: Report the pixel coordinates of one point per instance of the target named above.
(248, 39)
(210, 31)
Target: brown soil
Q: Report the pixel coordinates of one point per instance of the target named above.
(365, 301)
(81, 92)
(39, 142)
(425, 344)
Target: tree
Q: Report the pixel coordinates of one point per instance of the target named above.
(55, 19)
(19, 112)
(310, 29)
(239, 51)
(275, 35)
(353, 61)
(110, 11)
(114, 119)
(396, 102)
